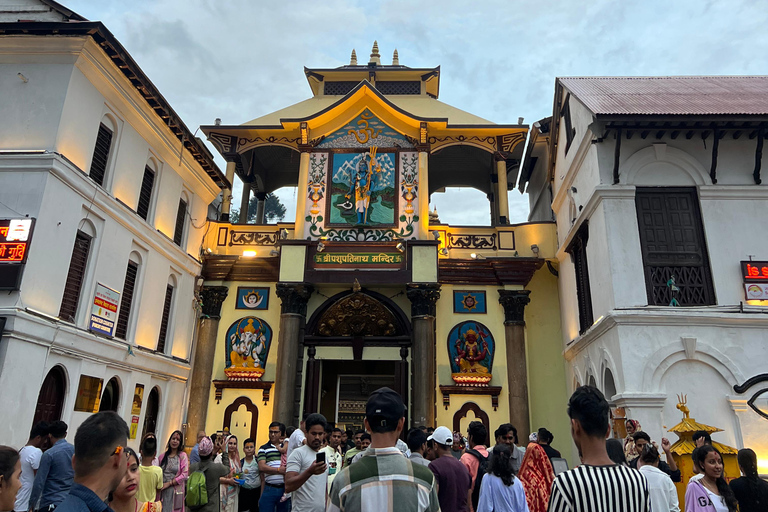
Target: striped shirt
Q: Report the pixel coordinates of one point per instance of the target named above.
(383, 480)
(600, 489)
(269, 454)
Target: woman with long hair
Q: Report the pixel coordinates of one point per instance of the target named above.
(124, 499)
(616, 451)
(229, 486)
(751, 491)
(537, 475)
(630, 452)
(175, 465)
(10, 473)
(500, 491)
(711, 493)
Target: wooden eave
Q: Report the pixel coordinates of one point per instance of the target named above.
(125, 63)
(289, 128)
(496, 271)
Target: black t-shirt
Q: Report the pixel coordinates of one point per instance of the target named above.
(551, 452)
(453, 482)
(752, 496)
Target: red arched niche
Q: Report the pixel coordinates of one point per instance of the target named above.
(479, 414)
(243, 400)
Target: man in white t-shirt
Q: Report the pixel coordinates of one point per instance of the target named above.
(30, 460)
(306, 475)
(333, 456)
(297, 437)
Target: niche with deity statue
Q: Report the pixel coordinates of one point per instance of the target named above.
(247, 347)
(471, 349)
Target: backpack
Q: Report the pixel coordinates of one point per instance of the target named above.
(197, 494)
(482, 469)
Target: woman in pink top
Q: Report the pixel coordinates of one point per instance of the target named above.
(175, 464)
(711, 493)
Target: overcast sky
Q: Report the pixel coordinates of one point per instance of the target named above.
(239, 59)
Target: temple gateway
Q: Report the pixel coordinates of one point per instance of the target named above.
(367, 289)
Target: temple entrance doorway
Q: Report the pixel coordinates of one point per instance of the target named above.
(379, 335)
(346, 386)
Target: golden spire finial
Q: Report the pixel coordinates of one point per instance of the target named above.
(353, 59)
(375, 57)
(395, 58)
(356, 286)
(682, 400)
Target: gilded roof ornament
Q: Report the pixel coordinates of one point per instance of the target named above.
(353, 59)
(375, 57)
(395, 58)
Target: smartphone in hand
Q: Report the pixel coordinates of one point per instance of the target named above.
(320, 458)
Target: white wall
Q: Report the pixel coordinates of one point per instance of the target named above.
(72, 86)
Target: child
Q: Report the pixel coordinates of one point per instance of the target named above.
(250, 491)
(283, 449)
(150, 477)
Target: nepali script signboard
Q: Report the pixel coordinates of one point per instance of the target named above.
(104, 310)
(15, 237)
(358, 260)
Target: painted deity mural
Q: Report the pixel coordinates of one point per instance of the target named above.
(471, 348)
(356, 196)
(247, 346)
(362, 189)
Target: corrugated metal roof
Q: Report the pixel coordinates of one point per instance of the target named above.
(672, 95)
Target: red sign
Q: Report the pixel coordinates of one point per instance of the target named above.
(15, 235)
(754, 271)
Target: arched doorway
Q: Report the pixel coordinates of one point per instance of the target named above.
(150, 414)
(360, 320)
(110, 399)
(241, 418)
(50, 401)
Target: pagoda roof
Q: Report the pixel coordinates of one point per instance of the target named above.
(690, 426)
(686, 447)
(421, 107)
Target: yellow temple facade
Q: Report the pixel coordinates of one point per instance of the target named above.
(363, 289)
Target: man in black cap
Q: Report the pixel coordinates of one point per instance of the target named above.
(383, 475)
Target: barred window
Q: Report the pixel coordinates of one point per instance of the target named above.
(75, 277)
(578, 251)
(129, 285)
(167, 304)
(178, 232)
(399, 87)
(145, 194)
(338, 88)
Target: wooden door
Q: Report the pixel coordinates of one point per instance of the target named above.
(150, 415)
(50, 401)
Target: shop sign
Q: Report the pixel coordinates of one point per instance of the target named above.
(754, 271)
(756, 291)
(15, 237)
(358, 259)
(104, 310)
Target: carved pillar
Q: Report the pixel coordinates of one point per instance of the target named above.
(301, 193)
(293, 312)
(423, 297)
(423, 203)
(312, 389)
(514, 302)
(262, 197)
(227, 197)
(244, 203)
(205, 350)
(501, 187)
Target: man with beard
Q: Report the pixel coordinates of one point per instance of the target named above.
(306, 474)
(100, 462)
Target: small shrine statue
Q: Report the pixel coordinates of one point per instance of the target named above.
(471, 351)
(248, 352)
(366, 171)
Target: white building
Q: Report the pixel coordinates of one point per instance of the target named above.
(652, 178)
(119, 190)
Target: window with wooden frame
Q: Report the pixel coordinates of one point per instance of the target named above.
(675, 259)
(145, 193)
(578, 251)
(124, 314)
(570, 131)
(167, 305)
(181, 214)
(75, 277)
(101, 154)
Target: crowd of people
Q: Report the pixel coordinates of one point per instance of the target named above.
(319, 467)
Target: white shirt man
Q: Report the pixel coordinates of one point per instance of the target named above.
(306, 478)
(30, 460)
